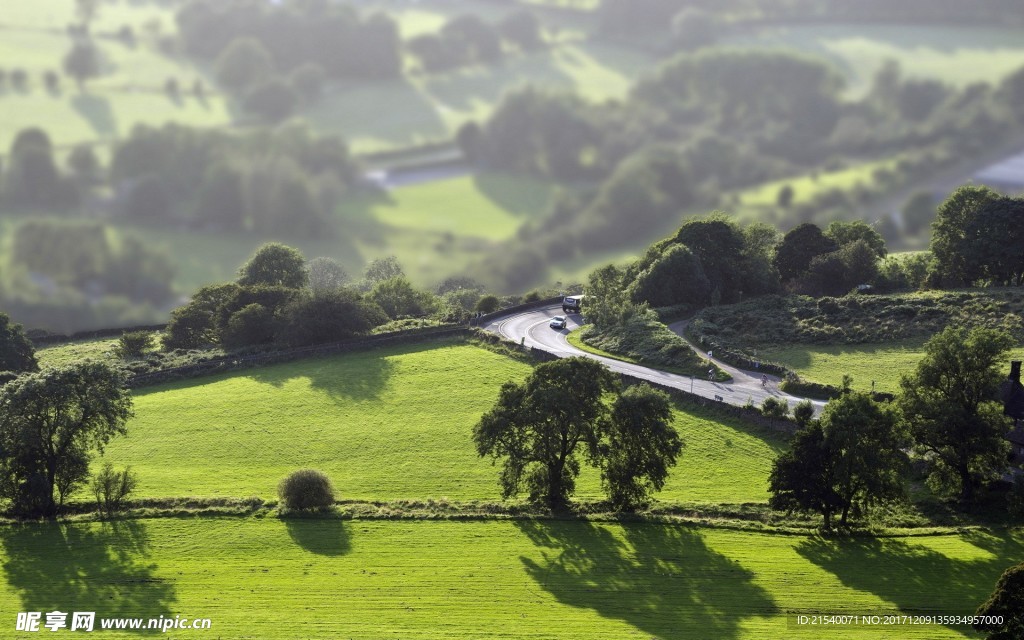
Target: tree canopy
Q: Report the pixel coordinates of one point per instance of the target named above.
(51, 422)
(275, 264)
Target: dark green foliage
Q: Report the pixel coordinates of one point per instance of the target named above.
(273, 100)
(487, 304)
(112, 488)
(785, 197)
(251, 325)
(83, 61)
(306, 489)
(244, 64)
(800, 246)
(801, 478)
(641, 337)
(380, 269)
(538, 427)
(472, 40)
(950, 404)
(16, 350)
(774, 408)
(134, 344)
(1007, 603)
(195, 325)
(397, 297)
(959, 256)
(803, 413)
(275, 264)
(221, 203)
(50, 423)
(641, 446)
(327, 316)
(85, 165)
(846, 233)
(676, 277)
(693, 28)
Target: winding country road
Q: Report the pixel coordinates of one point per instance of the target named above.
(531, 329)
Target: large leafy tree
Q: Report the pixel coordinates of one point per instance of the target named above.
(275, 264)
(798, 248)
(852, 457)
(958, 254)
(539, 426)
(50, 424)
(950, 404)
(1007, 604)
(640, 447)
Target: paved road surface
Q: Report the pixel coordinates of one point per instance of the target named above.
(531, 328)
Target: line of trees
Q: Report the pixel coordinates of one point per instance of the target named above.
(947, 415)
(467, 40)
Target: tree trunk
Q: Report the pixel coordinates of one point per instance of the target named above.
(555, 497)
(828, 519)
(966, 484)
(846, 511)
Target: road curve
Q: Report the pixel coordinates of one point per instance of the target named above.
(531, 329)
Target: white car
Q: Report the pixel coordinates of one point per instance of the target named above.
(558, 322)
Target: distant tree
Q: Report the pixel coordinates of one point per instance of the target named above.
(86, 10)
(487, 304)
(134, 344)
(32, 178)
(397, 297)
(306, 489)
(50, 423)
(251, 325)
(470, 140)
(433, 52)
(243, 64)
(803, 413)
(774, 408)
(327, 316)
(846, 233)
(19, 79)
(802, 479)
(112, 488)
(676, 277)
(785, 196)
(473, 40)
(1006, 604)
(273, 100)
(918, 212)
(82, 62)
(307, 80)
(607, 303)
(522, 28)
(537, 427)
(195, 325)
(917, 99)
(959, 256)
(457, 283)
(85, 164)
(16, 351)
(693, 28)
(641, 446)
(382, 269)
(275, 264)
(950, 404)
(326, 275)
(172, 88)
(800, 246)
(52, 81)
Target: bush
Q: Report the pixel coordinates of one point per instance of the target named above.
(133, 344)
(487, 304)
(306, 489)
(112, 488)
(251, 325)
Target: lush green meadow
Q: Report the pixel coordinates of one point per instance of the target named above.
(385, 424)
(70, 352)
(957, 55)
(268, 578)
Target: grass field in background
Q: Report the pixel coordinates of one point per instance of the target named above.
(957, 55)
(383, 424)
(884, 363)
(293, 579)
(70, 352)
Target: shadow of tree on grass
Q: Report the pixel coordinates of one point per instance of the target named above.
(99, 567)
(918, 580)
(662, 579)
(323, 536)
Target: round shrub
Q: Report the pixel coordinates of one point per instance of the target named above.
(306, 489)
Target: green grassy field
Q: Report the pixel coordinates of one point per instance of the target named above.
(882, 363)
(267, 578)
(377, 424)
(69, 352)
